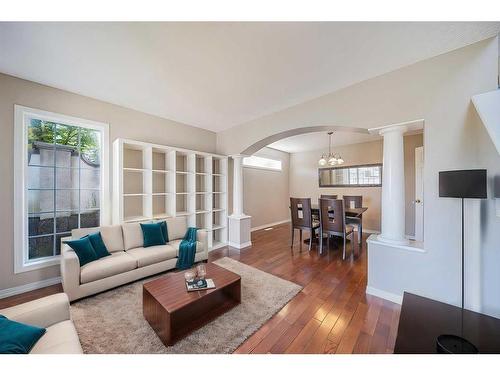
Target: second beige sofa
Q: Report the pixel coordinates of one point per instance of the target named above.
(128, 261)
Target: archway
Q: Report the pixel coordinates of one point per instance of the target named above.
(297, 131)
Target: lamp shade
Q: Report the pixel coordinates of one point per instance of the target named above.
(467, 183)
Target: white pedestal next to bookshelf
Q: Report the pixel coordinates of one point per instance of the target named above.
(239, 231)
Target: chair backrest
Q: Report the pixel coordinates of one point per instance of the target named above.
(328, 196)
(300, 209)
(331, 215)
(357, 199)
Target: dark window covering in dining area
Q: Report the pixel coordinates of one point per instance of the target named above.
(368, 175)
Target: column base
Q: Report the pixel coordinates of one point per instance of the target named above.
(403, 241)
(239, 231)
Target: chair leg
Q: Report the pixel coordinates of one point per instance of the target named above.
(360, 233)
(300, 237)
(352, 245)
(320, 241)
(311, 239)
(293, 232)
(343, 250)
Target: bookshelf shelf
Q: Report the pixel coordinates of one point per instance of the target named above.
(154, 181)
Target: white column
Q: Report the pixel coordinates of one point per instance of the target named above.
(239, 224)
(237, 186)
(393, 186)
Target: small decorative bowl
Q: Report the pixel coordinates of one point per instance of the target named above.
(189, 275)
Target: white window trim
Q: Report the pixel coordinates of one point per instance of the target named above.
(21, 263)
(280, 169)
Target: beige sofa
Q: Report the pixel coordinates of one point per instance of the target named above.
(129, 260)
(52, 313)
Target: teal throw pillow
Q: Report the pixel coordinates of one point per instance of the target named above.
(18, 338)
(98, 244)
(83, 249)
(164, 230)
(153, 234)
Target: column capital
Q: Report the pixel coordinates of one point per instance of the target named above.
(401, 127)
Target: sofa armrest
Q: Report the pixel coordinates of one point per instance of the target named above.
(42, 312)
(70, 271)
(202, 236)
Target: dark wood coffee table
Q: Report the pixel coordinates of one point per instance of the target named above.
(173, 312)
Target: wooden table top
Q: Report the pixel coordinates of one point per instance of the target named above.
(422, 320)
(170, 291)
(349, 211)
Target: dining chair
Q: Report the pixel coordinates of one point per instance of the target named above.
(356, 221)
(334, 224)
(302, 219)
(328, 196)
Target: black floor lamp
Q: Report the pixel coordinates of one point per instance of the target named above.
(462, 184)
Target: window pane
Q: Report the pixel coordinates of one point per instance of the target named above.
(40, 142)
(260, 162)
(40, 224)
(90, 178)
(89, 199)
(90, 219)
(40, 177)
(40, 201)
(40, 247)
(67, 154)
(58, 241)
(67, 178)
(90, 147)
(66, 221)
(67, 200)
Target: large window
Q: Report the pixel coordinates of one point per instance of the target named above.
(353, 176)
(61, 182)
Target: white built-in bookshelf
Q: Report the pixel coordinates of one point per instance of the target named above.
(153, 181)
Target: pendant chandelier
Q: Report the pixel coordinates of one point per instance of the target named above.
(331, 159)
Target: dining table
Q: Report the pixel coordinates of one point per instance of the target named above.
(349, 212)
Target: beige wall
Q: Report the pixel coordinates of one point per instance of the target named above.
(304, 177)
(266, 193)
(124, 123)
(438, 90)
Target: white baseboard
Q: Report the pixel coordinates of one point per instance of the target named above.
(371, 231)
(384, 295)
(29, 287)
(240, 245)
(270, 225)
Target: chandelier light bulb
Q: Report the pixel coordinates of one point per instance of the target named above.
(322, 161)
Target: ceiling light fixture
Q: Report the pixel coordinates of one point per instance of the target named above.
(331, 159)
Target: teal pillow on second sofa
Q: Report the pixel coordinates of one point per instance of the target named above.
(153, 234)
(98, 244)
(83, 249)
(18, 338)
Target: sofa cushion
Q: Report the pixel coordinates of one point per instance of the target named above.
(118, 262)
(132, 236)
(18, 338)
(177, 243)
(98, 244)
(84, 250)
(177, 227)
(152, 234)
(111, 235)
(60, 338)
(154, 254)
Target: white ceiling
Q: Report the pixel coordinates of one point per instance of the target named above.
(319, 141)
(218, 75)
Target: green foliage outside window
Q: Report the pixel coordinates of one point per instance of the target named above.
(50, 132)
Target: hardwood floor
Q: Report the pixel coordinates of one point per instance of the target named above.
(332, 313)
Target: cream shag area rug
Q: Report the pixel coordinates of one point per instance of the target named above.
(112, 322)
